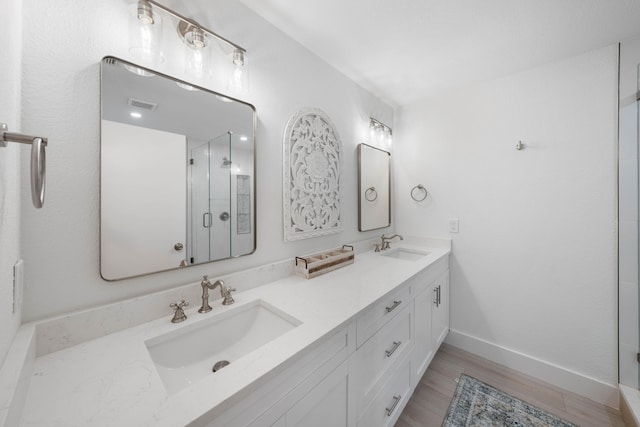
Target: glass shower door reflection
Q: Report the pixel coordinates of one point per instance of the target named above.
(209, 199)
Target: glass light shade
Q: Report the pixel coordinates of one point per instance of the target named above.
(145, 35)
(372, 132)
(381, 134)
(197, 62)
(238, 78)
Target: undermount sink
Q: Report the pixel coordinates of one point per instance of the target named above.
(189, 354)
(405, 253)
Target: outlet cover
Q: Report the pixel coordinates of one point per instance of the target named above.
(18, 284)
(454, 225)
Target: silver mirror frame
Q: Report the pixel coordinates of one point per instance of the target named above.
(254, 166)
(369, 194)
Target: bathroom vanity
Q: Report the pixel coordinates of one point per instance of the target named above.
(343, 349)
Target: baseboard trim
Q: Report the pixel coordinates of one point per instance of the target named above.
(630, 406)
(596, 390)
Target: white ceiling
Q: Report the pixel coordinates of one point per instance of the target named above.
(405, 50)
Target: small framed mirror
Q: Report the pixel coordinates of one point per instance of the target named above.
(177, 184)
(374, 188)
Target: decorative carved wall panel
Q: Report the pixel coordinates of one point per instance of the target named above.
(312, 167)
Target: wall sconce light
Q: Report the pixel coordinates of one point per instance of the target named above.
(380, 133)
(195, 38)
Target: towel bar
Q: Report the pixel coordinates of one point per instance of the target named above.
(38, 160)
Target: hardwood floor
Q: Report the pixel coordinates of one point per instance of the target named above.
(430, 401)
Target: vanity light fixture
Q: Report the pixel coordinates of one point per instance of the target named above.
(145, 15)
(239, 79)
(380, 132)
(145, 34)
(195, 36)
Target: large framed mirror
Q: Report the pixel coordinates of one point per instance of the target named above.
(374, 188)
(177, 173)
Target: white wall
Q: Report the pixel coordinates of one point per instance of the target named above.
(143, 196)
(61, 100)
(10, 34)
(628, 212)
(534, 266)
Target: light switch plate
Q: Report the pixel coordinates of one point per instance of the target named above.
(454, 225)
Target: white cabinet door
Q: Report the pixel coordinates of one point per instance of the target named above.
(327, 404)
(423, 350)
(440, 310)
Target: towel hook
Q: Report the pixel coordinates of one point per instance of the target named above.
(421, 194)
(38, 160)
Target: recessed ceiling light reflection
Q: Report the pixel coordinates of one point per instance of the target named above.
(135, 115)
(138, 71)
(187, 87)
(243, 138)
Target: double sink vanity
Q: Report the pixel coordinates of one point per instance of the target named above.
(343, 349)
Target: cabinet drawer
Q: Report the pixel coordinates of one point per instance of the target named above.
(378, 356)
(388, 403)
(381, 313)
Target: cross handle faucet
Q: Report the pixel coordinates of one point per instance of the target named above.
(385, 241)
(225, 292)
(178, 315)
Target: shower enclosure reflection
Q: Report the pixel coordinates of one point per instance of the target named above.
(177, 173)
(221, 219)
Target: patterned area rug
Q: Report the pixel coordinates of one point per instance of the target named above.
(476, 404)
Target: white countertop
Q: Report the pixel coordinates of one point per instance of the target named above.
(112, 380)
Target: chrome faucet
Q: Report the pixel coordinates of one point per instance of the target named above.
(385, 241)
(225, 292)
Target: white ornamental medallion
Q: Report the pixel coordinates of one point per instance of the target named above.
(312, 164)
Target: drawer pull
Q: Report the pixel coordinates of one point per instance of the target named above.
(393, 348)
(396, 400)
(395, 304)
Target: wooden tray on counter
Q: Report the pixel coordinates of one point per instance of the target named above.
(324, 262)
